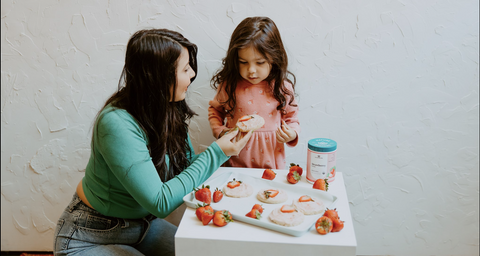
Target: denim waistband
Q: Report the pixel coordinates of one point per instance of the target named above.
(77, 203)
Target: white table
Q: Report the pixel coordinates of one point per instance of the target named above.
(238, 238)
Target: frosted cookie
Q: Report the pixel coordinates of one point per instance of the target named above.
(308, 205)
(238, 189)
(287, 216)
(272, 196)
(250, 122)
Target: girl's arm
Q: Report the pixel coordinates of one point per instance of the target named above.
(291, 116)
(216, 116)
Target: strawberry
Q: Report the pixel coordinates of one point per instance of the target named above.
(268, 174)
(217, 195)
(245, 118)
(337, 225)
(201, 208)
(287, 208)
(203, 194)
(295, 168)
(234, 183)
(321, 184)
(222, 218)
(332, 214)
(293, 177)
(258, 207)
(254, 214)
(207, 216)
(324, 225)
(305, 199)
(270, 193)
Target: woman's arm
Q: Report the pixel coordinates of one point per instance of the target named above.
(124, 148)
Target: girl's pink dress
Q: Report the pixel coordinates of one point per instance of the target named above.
(262, 150)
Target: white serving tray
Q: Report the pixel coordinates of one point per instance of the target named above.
(238, 207)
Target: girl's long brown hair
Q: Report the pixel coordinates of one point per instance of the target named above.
(149, 73)
(262, 34)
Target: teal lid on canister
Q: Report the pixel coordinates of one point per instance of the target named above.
(322, 145)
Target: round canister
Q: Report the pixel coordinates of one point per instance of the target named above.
(321, 161)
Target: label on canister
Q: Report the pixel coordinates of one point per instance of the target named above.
(321, 160)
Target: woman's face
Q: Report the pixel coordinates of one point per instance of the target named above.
(184, 73)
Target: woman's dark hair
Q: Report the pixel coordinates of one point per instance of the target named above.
(145, 93)
(262, 34)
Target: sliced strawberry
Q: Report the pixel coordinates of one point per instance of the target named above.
(234, 183)
(244, 118)
(270, 193)
(287, 208)
(305, 199)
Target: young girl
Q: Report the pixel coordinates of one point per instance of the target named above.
(254, 80)
(142, 162)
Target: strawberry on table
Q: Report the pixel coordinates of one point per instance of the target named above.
(201, 208)
(254, 214)
(207, 216)
(258, 207)
(222, 218)
(203, 194)
(217, 195)
(324, 225)
(293, 177)
(321, 184)
(331, 213)
(269, 174)
(337, 224)
(295, 168)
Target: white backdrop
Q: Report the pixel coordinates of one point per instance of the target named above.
(395, 83)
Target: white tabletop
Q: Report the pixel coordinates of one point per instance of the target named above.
(238, 238)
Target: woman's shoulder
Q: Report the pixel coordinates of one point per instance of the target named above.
(114, 118)
(112, 113)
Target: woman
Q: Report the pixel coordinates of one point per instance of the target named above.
(142, 163)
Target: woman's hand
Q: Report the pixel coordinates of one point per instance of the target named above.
(233, 148)
(285, 133)
(225, 131)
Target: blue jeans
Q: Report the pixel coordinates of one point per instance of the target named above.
(82, 230)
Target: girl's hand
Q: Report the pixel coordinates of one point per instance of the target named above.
(285, 133)
(233, 148)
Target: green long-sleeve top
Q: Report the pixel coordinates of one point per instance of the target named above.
(120, 178)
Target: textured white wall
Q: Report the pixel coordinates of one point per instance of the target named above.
(395, 83)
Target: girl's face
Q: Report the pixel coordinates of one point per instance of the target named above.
(184, 73)
(253, 66)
